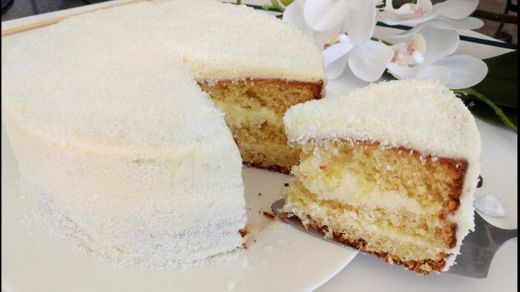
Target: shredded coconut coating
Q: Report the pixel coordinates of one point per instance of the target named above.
(131, 56)
(107, 121)
(420, 115)
(417, 114)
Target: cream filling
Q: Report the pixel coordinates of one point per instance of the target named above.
(345, 188)
(347, 221)
(242, 116)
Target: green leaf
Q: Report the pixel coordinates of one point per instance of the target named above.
(483, 107)
(286, 2)
(500, 85)
(495, 99)
(275, 6)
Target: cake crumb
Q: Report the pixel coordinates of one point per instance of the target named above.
(268, 215)
(243, 232)
(286, 184)
(259, 194)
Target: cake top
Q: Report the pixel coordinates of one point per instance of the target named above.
(86, 93)
(420, 115)
(125, 76)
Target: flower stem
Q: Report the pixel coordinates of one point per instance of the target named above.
(493, 106)
(238, 2)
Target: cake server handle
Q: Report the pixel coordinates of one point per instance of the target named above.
(476, 253)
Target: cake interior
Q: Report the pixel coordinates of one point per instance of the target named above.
(254, 110)
(391, 202)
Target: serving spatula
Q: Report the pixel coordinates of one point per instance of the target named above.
(477, 251)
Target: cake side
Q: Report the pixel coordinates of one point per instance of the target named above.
(135, 208)
(254, 110)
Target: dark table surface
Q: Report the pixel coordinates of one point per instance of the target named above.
(23, 8)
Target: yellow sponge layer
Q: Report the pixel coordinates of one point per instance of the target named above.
(365, 169)
(254, 112)
(402, 233)
(391, 202)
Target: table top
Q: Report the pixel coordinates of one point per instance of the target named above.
(367, 273)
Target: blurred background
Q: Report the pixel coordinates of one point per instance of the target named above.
(500, 16)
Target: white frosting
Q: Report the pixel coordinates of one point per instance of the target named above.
(420, 115)
(107, 121)
(215, 41)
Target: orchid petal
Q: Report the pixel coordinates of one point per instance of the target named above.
(439, 43)
(439, 73)
(394, 19)
(387, 17)
(369, 60)
(324, 37)
(389, 6)
(456, 9)
(402, 37)
(448, 23)
(425, 5)
(335, 58)
(336, 51)
(324, 15)
(466, 71)
(361, 22)
(405, 9)
(402, 72)
(293, 15)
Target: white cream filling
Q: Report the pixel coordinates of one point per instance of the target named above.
(345, 188)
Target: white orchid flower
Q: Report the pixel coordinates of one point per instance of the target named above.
(450, 14)
(427, 55)
(367, 61)
(324, 20)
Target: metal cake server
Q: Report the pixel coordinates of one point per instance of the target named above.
(476, 253)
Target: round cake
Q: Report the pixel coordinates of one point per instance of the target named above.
(132, 160)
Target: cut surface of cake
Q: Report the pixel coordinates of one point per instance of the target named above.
(107, 118)
(389, 169)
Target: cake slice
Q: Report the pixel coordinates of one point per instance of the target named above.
(389, 169)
